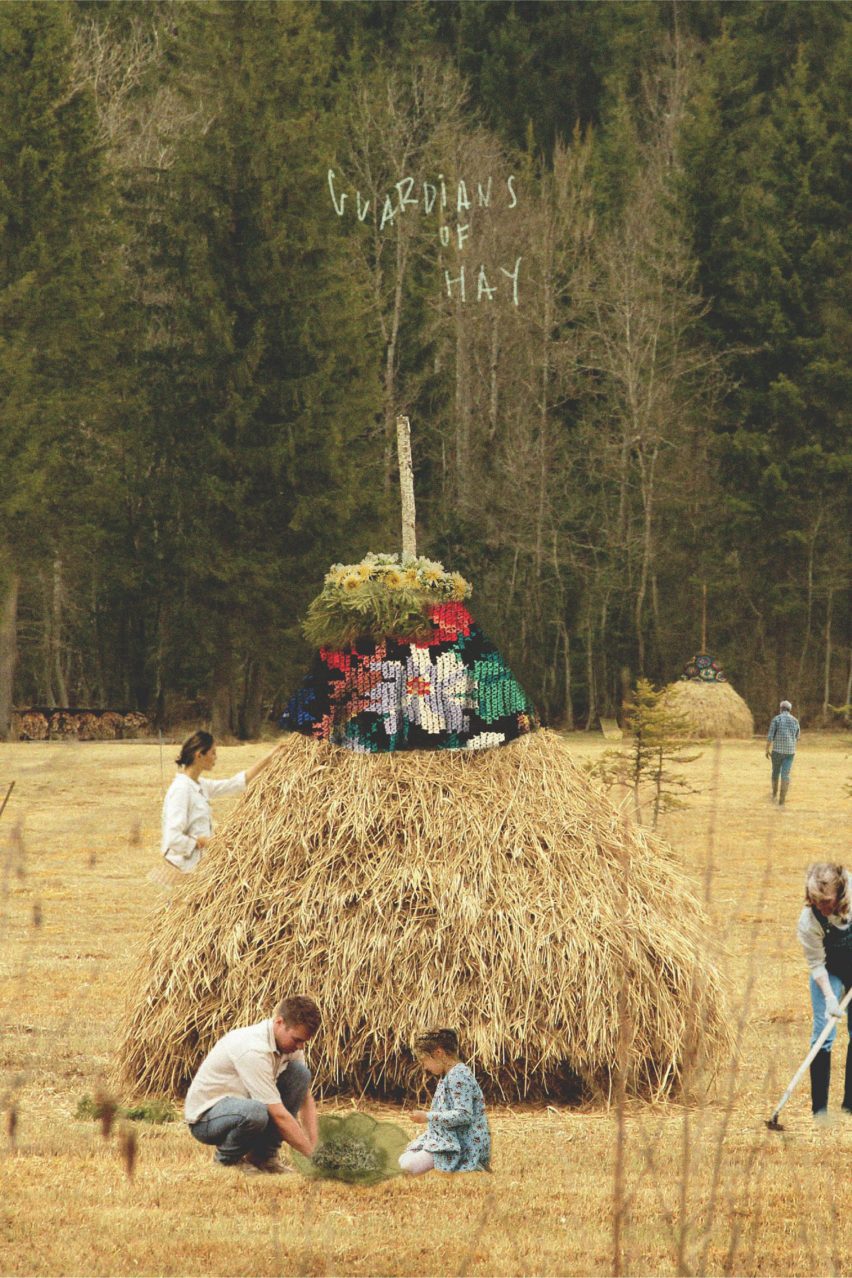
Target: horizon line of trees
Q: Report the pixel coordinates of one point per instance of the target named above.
(638, 393)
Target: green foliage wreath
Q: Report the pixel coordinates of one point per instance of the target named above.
(377, 597)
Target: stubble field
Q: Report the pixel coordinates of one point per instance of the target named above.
(705, 1187)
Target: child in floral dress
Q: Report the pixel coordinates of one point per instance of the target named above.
(457, 1136)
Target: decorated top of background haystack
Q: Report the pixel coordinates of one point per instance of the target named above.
(702, 668)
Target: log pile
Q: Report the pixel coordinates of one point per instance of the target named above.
(40, 723)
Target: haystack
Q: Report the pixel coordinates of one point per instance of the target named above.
(422, 854)
(497, 891)
(709, 707)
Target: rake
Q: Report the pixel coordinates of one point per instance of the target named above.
(772, 1123)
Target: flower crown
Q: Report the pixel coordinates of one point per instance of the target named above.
(424, 575)
(380, 596)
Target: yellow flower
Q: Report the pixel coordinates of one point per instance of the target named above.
(461, 588)
(365, 571)
(351, 581)
(411, 577)
(432, 576)
(394, 579)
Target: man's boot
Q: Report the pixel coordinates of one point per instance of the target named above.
(774, 787)
(785, 786)
(820, 1078)
(847, 1088)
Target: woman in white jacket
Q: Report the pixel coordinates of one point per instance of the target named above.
(187, 819)
(825, 931)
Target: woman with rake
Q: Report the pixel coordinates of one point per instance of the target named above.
(187, 818)
(457, 1136)
(825, 931)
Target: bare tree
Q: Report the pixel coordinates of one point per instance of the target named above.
(399, 128)
(640, 319)
(141, 110)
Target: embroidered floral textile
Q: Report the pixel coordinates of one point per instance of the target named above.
(450, 691)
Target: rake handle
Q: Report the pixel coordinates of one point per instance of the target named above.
(797, 1077)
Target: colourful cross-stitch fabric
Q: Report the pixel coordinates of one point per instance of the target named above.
(449, 691)
(703, 669)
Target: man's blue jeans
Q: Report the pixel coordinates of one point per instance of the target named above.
(782, 765)
(820, 1018)
(238, 1126)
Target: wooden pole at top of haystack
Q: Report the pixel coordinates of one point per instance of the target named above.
(406, 484)
(704, 616)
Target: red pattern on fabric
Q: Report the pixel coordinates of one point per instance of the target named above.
(337, 659)
(450, 620)
(418, 687)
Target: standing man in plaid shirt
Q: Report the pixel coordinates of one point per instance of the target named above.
(781, 742)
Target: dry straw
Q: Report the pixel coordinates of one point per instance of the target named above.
(497, 891)
(709, 710)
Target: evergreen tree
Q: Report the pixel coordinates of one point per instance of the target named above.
(266, 391)
(771, 199)
(56, 317)
(654, 740)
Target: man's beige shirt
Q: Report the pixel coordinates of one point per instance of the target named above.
(245, 1063)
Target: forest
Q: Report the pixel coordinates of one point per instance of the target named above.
(598, 254)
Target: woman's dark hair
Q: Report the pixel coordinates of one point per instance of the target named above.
(447, 1039)
(199, 743)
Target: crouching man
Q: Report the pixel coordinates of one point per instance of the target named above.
(252, 1091)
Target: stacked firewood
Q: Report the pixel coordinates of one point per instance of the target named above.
(40, 724)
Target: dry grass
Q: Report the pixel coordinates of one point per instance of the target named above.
(706, 1188)
(710, 711)
(496, 889)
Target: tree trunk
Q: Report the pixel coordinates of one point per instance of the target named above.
(8, 650)
(544, 412)
(44, 689)
(493, 398)
(647, 474)
(590, 676)
(56, 633)
(391, 342)
(222, 696)
(464, 478)
(826, 683)
(251, 710)
(566, 652)
(798, 689)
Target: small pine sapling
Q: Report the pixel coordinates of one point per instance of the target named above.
(651, 731)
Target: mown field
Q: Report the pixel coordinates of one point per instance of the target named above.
(706, 1188)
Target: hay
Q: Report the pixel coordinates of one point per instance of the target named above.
(498, 892)
(709, 710)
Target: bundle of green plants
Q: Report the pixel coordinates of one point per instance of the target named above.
(378, 597)
(354, 1148)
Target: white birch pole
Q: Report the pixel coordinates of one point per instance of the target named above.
(406, 485)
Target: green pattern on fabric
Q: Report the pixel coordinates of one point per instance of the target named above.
(499, 692)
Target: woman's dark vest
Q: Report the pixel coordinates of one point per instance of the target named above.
(838, 948)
